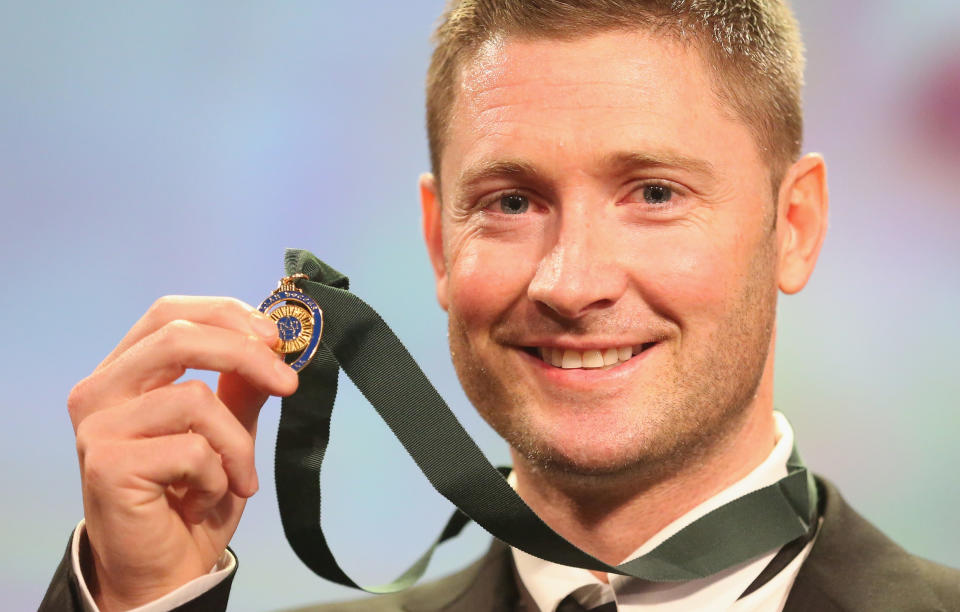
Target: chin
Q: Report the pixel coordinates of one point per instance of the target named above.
(588, 444)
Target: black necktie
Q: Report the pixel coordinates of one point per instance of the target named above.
(569, 604)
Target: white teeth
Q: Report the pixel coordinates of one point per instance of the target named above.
(611, 356)
(570, 359)
(592, 359)
(556, 357)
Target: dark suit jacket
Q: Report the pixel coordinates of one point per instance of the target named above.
(852, 567)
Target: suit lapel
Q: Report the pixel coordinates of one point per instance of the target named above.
(853, 566)
(486, 586)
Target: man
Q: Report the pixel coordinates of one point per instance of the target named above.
(617, 195)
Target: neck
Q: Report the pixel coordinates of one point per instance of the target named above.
(612, 516)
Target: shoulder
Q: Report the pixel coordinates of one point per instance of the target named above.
(854, 566)
(485, 585)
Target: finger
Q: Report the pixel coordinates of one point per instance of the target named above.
(145, 468)
(163, 356)
(173, 409)
(229, 313)
(200, 470)
(243, 399)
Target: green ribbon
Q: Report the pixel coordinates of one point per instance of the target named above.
(356, 339)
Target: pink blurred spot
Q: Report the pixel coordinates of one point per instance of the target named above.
(939, 104)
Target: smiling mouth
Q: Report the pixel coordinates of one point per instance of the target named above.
(593, 359)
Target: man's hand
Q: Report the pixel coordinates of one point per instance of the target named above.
(167, 466)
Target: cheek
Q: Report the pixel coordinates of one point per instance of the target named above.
(691, 279)
(485, 280)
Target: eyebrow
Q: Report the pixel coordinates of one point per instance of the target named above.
(506, 168)
(614, 163)
(625, 161)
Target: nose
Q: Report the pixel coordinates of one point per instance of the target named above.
(579, 273)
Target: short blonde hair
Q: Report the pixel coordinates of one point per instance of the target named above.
(752, 46)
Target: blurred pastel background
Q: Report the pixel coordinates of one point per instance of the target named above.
(152, 148)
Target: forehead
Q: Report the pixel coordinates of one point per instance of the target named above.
(569, 101)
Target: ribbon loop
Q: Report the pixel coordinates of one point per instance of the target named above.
(358, 340)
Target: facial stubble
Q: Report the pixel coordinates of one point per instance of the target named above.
(693, 408)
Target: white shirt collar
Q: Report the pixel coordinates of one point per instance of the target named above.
(548, 583)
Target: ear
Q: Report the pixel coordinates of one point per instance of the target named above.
(803, 203)
(432, 208)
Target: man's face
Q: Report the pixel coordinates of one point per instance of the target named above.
(601, 207)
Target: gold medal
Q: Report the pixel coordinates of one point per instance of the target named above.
(299, 320)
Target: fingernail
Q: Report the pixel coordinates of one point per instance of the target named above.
(263, 326)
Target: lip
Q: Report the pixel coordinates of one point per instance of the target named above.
(581, 345)
(585, 379)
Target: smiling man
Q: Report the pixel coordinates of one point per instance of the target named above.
(618, 195)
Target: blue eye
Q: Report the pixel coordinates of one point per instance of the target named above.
(514, 204)
(657, 194)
